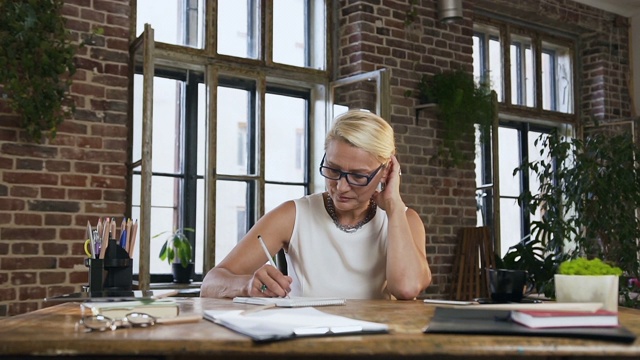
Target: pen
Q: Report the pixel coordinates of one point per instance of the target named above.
(266, 252)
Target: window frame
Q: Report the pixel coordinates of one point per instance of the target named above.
(524, 116)
(267, 76)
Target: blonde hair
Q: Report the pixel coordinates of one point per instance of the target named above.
(364, 130)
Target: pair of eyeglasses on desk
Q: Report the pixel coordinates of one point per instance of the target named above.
(131, 320)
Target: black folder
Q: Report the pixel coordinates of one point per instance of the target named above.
(497, 322)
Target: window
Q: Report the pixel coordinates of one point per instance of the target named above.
(535, 90)
(231, 136)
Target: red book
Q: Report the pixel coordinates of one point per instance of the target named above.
(564, 319)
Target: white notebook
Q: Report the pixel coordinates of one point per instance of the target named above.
(292, 301)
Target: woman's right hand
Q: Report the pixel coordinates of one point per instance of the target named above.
(268, 281)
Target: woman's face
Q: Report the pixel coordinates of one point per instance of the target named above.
(346, 158)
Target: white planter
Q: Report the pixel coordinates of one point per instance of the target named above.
(588, 288)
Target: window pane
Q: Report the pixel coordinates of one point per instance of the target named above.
(510, 224)
(238, 28)
(548, 84)
(285, 144)
(290, 32)
(200, 223)
(509, 155)
(166, 117)
(231, 207)
(522, 76)
(164, 192)
(557, 88)
(233, 126)
(477, 57)
(487, 58)
(495, 67)
(277, 194)
(202, 128)
(564, 80)
(173, 22)
(534, 155)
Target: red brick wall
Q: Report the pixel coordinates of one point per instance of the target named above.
(48, 191)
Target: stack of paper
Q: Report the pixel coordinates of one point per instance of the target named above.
(278, 324)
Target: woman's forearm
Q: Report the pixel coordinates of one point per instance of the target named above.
(408, 271)
(221, 283)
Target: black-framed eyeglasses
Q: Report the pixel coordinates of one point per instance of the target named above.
(352, 178)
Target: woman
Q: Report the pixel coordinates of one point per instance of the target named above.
(357, 240)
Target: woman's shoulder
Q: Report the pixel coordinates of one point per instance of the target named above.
(309, 198)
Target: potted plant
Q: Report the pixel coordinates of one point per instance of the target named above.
(178, 252)
(461, 103)
(529, 255)
(36, 62)
(597, 282)
(589, 194)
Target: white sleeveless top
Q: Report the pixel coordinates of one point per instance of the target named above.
(325, 261)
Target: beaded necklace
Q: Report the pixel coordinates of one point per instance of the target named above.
(350, 228)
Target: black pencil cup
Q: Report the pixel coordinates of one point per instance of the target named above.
(114, 272)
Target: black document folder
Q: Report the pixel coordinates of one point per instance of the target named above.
(497, 322)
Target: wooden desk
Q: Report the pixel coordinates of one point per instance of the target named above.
(51, 331)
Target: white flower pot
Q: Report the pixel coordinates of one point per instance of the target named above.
(588, 288)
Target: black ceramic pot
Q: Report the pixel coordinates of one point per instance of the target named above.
(507, 285)
(181, 274)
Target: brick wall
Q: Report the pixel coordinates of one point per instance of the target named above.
(48, 191)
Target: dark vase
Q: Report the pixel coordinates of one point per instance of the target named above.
(181, 274)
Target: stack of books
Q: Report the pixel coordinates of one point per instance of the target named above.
(162, 308)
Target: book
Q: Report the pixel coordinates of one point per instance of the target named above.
(469, 320)
(163, 308)
(292, 301)
(286, 323)
(564, 319)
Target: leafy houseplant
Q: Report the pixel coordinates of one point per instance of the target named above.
(178, 252)
(36, 64)
(461, 103)
(529, 255)
(582, 266)
(589, 193)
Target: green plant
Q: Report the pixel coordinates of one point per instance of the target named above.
(589, 194)
(582, 266)
(176, 246)
(36, 64)
(529, 255)
(461, 103)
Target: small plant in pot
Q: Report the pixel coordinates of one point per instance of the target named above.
(178, 252)
(597, 282)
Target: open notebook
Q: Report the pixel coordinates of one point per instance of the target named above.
(280, 324)
(290, 301)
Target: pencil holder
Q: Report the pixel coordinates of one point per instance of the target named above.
(114, 272)
(96, 274)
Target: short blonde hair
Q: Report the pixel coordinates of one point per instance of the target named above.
(366, 131)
